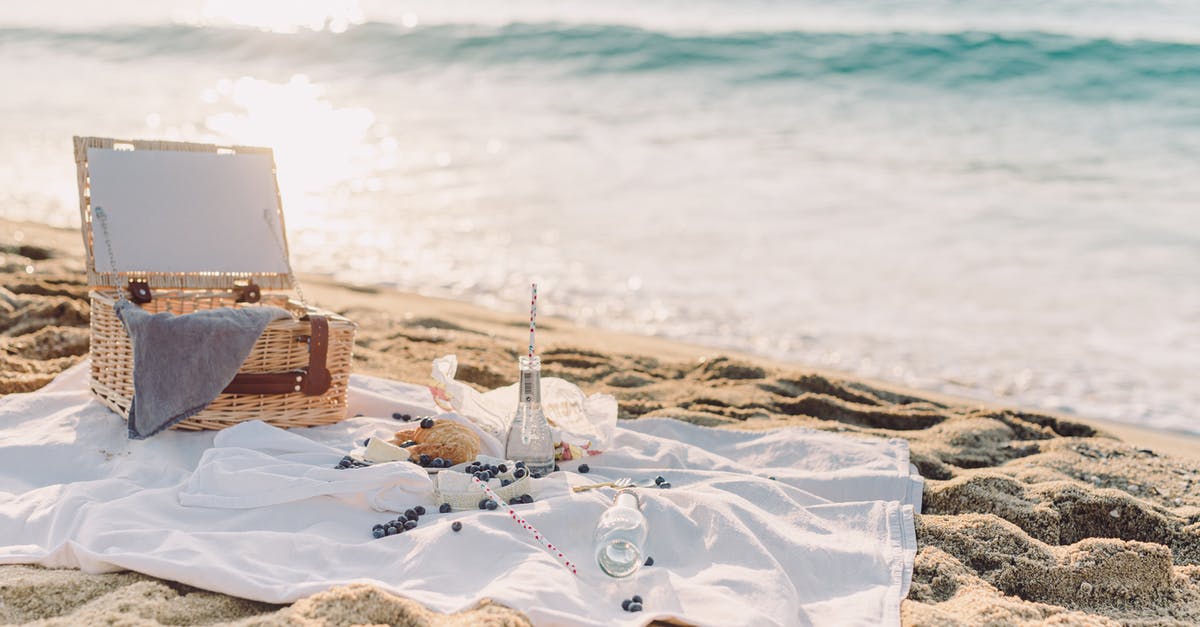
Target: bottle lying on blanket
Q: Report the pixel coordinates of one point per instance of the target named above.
(620, 536)
(529, 438)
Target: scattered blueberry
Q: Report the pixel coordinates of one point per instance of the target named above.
(505, 482)
(427, 423)
(519, 464)
(584, 468)
(410, 525)
(503, 468)
(378, 532)
(625, 604)
(408, 443)
(527, 498)
(491, 504)
(483, 503)
(438, 462)
(424, 459)
(637, 598)
(649, 561)
(390, 531)
(420, 510)
(665, 485)
(410, 514)
(445, 508)
(635, 607)
(659, 480)
(376, 527)
(772, 478)
(520, 473)
(457, 526)
(494, 469)
(397, 416)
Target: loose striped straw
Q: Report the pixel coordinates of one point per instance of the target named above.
(532, 319)
(537, 535)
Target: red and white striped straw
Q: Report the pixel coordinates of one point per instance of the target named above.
(532, 319)
(537, 535)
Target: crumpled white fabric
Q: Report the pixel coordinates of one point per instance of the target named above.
(586, 421)
(829, 541)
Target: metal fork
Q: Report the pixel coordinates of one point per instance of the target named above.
(623, 482)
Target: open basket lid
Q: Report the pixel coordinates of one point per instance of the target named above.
(181, 215)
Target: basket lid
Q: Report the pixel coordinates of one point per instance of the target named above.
(180, 215)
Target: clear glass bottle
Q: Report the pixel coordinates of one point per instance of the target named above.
(529, 439)
(620, 536)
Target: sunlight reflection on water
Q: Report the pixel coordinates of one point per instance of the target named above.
(284, 16)
(319, 147)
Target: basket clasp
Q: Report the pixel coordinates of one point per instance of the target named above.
(139, 291)
(247, 292)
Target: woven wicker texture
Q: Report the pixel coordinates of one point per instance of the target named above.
(279, 350)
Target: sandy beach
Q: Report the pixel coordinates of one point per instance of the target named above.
(1028, 518)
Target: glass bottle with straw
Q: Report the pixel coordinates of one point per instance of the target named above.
(529, 439)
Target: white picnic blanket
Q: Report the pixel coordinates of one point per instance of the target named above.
(260, 513)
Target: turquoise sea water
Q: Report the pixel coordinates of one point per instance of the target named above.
(1000, 200)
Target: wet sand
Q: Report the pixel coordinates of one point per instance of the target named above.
(1028, 517)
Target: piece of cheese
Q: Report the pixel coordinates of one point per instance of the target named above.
(380, 450)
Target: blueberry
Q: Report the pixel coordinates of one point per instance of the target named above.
(649, 561)
(493, 469)
(519, 464)
(397, 415)
(420, 510)
(427, 423)
(635, 606)
(528, 498)
(390, 531)
(410, 525)
(457, 526)
(637, 598)
(378, 532)
(410, 514)
(502, 468)
(376, 527)
(505, 482)
(438, 462)
(445, 508)
(659, 480)
(772, 478)
(584, 468)
(625, 604)
(481, 476)
(424, 459)
(665, 485)
(483, 503)
(491, 504)
(520, 473)
(408, 443)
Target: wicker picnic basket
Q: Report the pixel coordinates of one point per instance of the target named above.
(298, 371)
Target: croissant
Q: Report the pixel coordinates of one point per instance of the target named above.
(446, 439)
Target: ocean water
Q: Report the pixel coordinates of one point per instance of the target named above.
(994, 199)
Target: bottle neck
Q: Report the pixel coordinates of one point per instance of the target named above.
(626, 498)
(529, 390)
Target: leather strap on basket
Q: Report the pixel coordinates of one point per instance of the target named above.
(314, 380)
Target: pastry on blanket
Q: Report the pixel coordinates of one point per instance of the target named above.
(441, 438)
